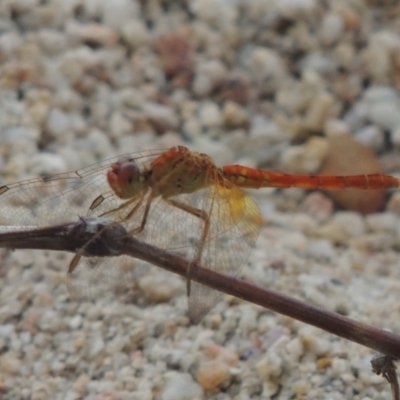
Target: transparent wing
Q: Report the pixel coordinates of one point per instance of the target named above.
(234, 225)
(235, 222)
(63, 198)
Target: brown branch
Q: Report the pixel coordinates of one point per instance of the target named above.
(376, 339)
(99, 238)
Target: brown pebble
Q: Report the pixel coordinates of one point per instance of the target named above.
(3, 387)
(324, 362)
(348, 157)
(176, 57)
(212, 374)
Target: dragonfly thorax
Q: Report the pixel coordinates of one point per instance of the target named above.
(180, 171)
(125, 178)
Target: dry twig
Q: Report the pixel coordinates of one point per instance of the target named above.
(100, 238)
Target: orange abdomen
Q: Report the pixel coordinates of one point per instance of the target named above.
(254, 179)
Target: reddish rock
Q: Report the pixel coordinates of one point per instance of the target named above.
(176, 55)
(348, 157)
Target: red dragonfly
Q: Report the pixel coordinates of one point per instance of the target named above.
(175, 199)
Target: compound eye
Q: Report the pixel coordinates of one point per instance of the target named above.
(124, 177)
(127, 171)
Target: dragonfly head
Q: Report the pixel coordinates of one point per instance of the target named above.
(125, 178)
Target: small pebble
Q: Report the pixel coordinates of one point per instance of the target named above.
(10, 364)
(181, 387)
(234, 116)
(212, 374)
(270, 367)
(119, 13)
(207, 75)
(162, 116)
(75, 322)
(373, 137)
(305, 159)
(210, 115)
(160, 287)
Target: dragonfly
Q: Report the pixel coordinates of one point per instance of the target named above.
(175, 199)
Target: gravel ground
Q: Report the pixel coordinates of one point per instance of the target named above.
(262, 83)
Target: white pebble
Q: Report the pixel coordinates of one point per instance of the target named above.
(301, 387)
(266, 66)
(352, 223)
(161, 114)
(47, 164)
(50, 321)
(322, 108)
(270, 366)
(53, 42)
(307, 158)
(356, 117)
(131, 97)
(320, 250)
(339, 366)
(192, 127)
(382, 222)
(332, 28)
(7, 329)
(296, 8)
(386, 115)
(10, 42)
(135, 33)
(248, 319)
(58, 122)
(382, 106)
(373, 137)
(336, 127)
(207, 75)
(181, 386)
(116, 13)
(234, 115)
(210, 115)
(320, 63)
(119, 125)
(97, 345)
(378, 55)
(75, 322)
(215, 12)
(160, 287)
(295, 349)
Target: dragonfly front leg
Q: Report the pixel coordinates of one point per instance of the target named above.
(74, 262)
(140, 228)
(133, 211)
(201, 214)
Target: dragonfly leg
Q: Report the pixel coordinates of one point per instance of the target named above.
(140, 228)
(199, 214)
(124, 205)
(74, 262)
(132, 211)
